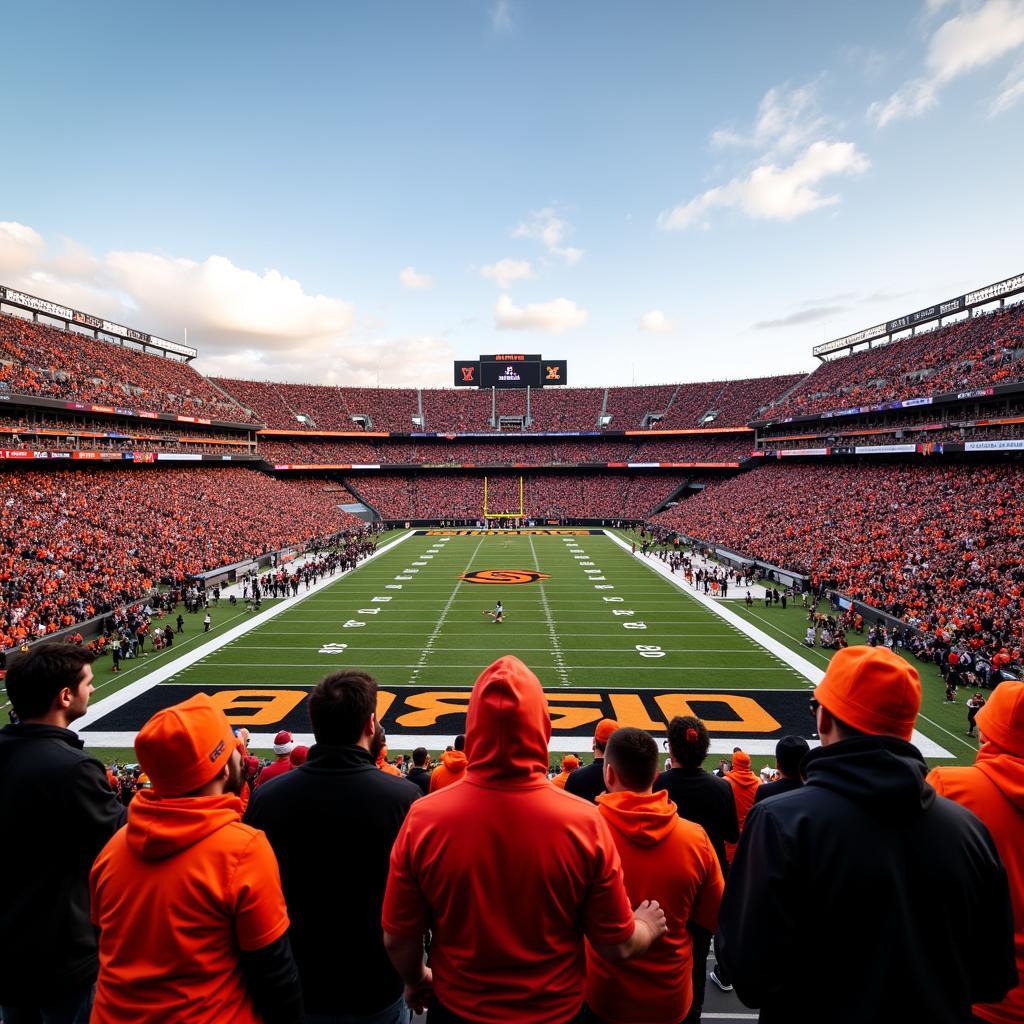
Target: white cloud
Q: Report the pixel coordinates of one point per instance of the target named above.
(414, 281)
(507, 270)
(786, 120)
(244, 322)
(970, 40)
(501, 16)
(655, 321)
(1010, 94)
(772, 192)
(555, 316)
(549, 228)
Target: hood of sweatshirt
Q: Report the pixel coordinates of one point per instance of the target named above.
(160, 828)
(508, 726)
(1005, 772)
(455, 761)
(643, 818)
(883, 774)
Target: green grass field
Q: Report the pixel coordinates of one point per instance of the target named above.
(605, 634)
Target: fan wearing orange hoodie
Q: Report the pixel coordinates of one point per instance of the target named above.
(664, 857)
(744, 788)
(509, 874)
(569, 765)
(452, 767)
(993, 788)
(187, 900)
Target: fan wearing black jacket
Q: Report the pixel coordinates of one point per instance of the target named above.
(588, 782)
(879, 900)
(58, 811)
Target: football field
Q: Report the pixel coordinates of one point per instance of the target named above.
(607, 634)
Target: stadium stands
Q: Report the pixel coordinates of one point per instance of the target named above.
(75, 544)
(461, 495)
(939, 546)
(969, 354)
(36, 359)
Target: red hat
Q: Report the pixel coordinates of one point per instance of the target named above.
(872, 690)
(283, 743)
(570, 763)
(183, 747)
(604, 730)
(298, 756)
(1001, 720)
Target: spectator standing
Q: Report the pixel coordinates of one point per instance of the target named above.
(789, 752)
(187, 899)
(58, 810)
(570, 764)
(508, 874)
(588, 782)
(708, 801)
(452, 767)
(284, 744)
(744, 785)
(419, 774)
(993, 788)
(206, 622)
(843, 874)
(336, 934)
(665, 858)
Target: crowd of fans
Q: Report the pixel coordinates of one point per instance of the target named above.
(939, 546)
(344, 451)
(974, 353)
(563, 496)
(36, 359)
(491, 889)
(76, 544)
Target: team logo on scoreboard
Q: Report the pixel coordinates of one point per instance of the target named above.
(505, 577)
(468, 373)
(554, 373)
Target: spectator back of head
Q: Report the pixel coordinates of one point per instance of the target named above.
(37, 676)
(340, 706)
(633, 756)
(688, 741)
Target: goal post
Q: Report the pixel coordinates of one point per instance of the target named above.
(488, 514)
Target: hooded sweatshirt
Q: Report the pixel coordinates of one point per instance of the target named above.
(508, 872)
(744, 789)
(667, 859)
(176, 895)
(867, 894)
(994, 790)
(451, 769)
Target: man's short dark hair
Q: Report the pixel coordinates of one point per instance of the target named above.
(460, 742)
(419, 757)
(789, 752)
(688, 740)
(340, 706)
(36, 676)
(634, 756)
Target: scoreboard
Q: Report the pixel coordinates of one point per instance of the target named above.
(510, 371)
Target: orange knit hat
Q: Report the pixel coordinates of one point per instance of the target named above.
(872, 690)
(183, 747)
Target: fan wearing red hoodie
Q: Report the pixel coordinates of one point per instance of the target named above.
(664, 857)
(509, 874)
(187, 900)
(744, 788)
(993, 788)
(452, 767)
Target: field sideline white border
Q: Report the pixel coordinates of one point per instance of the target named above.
(573, 744)
(172, 668)
(928, 747)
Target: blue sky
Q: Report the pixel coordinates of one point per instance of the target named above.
(357, 192)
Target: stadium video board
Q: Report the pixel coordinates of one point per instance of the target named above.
(510, 371)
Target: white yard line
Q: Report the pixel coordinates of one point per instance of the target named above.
(436, 632)
(171, 668)
(556, 644)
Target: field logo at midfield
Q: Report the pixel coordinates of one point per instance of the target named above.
(506, 577)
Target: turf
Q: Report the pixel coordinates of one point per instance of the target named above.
(427, 628)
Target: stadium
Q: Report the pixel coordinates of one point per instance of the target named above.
(302, 674)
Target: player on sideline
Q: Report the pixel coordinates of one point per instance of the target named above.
(498, 614)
